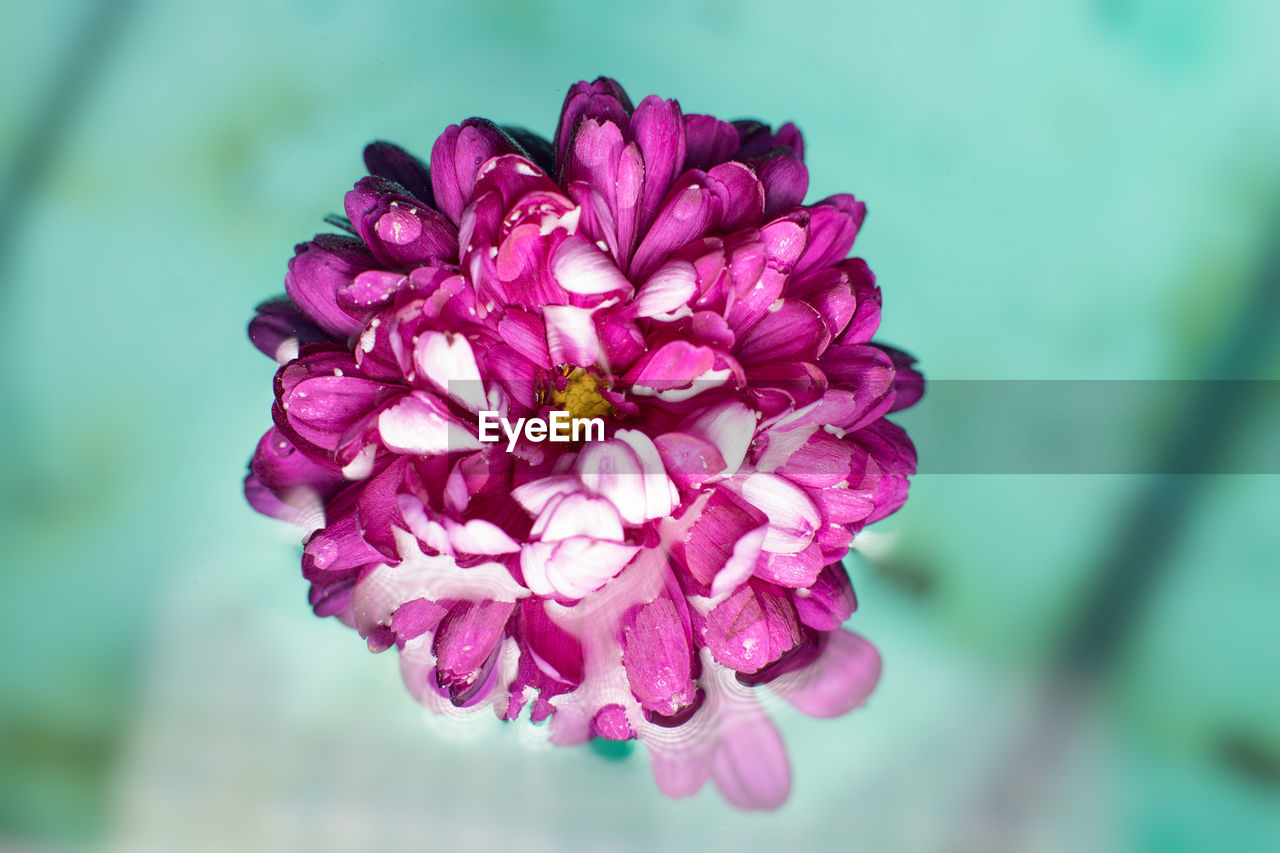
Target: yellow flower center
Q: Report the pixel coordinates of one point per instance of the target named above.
(581, 396)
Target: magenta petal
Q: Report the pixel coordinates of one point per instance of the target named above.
(399, 230)
(666, 291)
(793, 518)
(791, 331)
(527, 335)
(840, 679)
(866, 316)
(828, 601)
(421, 423)
(281, 467)
(711, 539)
(322, 408)
(603, 100)
(465, 642)
(843, 506)
(320, 269)
(829, 293)
(741, 195)
(729, 426)
(821, 462)
(673, 365)
(869, 372)
(378, 510)
(456, 159)
(689, 211)
(658, 658)
(792, 570)
(658, 128)
(416, 617)
(708, 141)
(557, 652)
(337, 548)
(833, 225)
(785, 180)
(267, 502)
(750, 764)
(689, 460)
(751, 628)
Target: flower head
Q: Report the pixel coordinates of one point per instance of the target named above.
(650, 274)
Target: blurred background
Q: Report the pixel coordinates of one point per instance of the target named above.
(1075, 658)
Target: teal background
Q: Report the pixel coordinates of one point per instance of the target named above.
(1057, 190)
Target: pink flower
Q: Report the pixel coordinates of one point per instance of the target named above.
(656, 272)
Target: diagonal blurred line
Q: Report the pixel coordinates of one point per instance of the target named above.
(1131, 567)
(39, 146)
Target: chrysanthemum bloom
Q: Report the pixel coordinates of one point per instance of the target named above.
(653, 270)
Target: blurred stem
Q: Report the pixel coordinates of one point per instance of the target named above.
(1133, 563)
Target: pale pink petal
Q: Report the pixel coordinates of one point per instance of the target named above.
(793, 518)
(578, 515)
(667, 291)
(660, 495)
(729, 426)
(446, 360)
(839, 679)
(582, 268)
(750, 764)
(421, 424)
(571, 335)
(478, 536)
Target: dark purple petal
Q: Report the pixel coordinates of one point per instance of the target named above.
(539, 150)
(399, 230)
(908, 383)
(278, 329)
(395, 164)
(757, 139)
